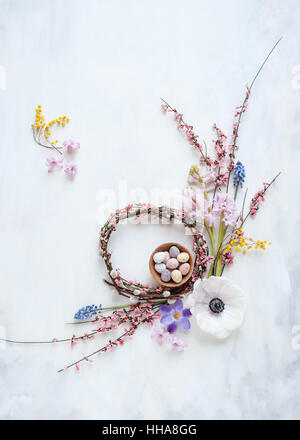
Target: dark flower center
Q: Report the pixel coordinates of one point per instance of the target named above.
(216, 305)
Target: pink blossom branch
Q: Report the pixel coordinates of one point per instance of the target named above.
(104, 348)
(254, 205)
(112, 344)
(188, 129)
(221, 154)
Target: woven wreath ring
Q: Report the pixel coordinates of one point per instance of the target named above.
(135, 289)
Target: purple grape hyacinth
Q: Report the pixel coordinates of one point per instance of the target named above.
(175, 316)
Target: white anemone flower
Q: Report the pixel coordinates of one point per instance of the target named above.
(218, 305)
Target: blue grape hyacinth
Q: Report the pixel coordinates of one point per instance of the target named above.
(88, 311)
(239, 174)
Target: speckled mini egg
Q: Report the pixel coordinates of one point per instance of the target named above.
(165, 276)
(176, 276)
(183, 257)
(174, 251)
(159, 267)
(184, 268)
(159, 257)
(167, 257)
(172, 263)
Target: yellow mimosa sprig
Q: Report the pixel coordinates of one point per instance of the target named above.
(42, 131)
(244, 244)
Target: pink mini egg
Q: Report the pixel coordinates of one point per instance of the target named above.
(167, 258)
(172, 263)
(184, 268)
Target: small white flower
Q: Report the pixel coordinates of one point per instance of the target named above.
(113, 274)
(166, 293)
(218, 305)
(136, 292)
(171, 301)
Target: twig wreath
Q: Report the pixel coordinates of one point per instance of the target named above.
(134, 289)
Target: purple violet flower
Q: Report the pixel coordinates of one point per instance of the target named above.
(175, 315)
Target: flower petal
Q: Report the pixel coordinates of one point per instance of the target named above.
(178, 306)
(184, 323)
(186, 313)
(212, 324)
(167, 319)
(232, 294)
(212, 285)
(197, 285)
(172, 327)
(165, 309)
(233, 317)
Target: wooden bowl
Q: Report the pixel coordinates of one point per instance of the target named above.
(163, 248)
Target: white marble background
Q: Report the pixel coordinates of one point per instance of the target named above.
(105, 64)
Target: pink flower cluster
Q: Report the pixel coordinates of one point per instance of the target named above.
(223, 204)
(219, 145)
(202, 258)
(162, 336)
(70, 145)
(193, 203)
(227, 258)
(257, 199)
(56, 164)
(214, 179)
(70, 168)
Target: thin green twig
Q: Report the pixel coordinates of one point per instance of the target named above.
(245, 100)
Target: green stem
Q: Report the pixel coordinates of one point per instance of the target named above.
(211, 234)
(235, 192)
(222, 231)
(243, 207)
